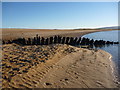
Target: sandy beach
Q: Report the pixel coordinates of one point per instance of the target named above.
(66, 67)
(9, 34)
(45, 45)
(54, 66)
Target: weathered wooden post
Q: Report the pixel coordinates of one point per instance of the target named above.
(59, 39)
(63, 40)
(71, 41)
(108, 42)
(116, 42)
(46, 41)
(83, 41)
(42, 41)
(29, 41)
(75, 41)
(3, 42)
(9, 42)
(91, 42)
(51, 40)
(78, 42)
(87, 41)
(55, 39)
(34, 41)
(37, 40)
(67, 40)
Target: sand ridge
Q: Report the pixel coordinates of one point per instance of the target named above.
(69, 67)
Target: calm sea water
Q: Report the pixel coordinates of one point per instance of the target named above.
(112, 49)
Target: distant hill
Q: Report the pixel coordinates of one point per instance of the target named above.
(114, 27)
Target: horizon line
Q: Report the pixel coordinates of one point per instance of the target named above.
(58, 28)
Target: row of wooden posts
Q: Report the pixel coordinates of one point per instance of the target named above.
(37, 40)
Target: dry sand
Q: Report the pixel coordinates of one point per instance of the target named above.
(8, 34)
(54, 66)
(66, 67)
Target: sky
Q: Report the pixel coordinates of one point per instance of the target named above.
(59, 15)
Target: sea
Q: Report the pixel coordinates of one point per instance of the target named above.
(114, 49)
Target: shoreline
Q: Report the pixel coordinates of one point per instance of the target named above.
(114, 70)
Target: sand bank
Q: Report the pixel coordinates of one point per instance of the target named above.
(65, 67)
(8, 34)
